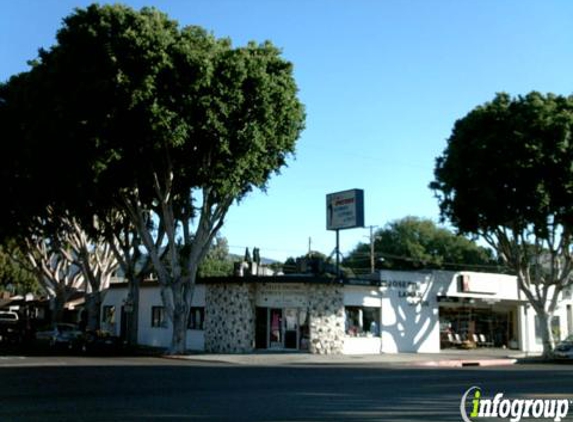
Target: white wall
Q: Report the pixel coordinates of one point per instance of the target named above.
(114, 297)
(482, 285)
(409, 312)
(362, 296)
(155, 336)
(362, 346)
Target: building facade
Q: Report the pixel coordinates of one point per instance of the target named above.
(423, 312)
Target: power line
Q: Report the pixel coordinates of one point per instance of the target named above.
(296, 251)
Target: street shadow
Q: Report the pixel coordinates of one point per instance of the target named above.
(164, 390)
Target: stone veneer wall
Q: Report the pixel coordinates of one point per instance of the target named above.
(326, 311)
(229, 318)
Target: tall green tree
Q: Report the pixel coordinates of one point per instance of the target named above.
(507, 175)
(217, 262)
(14, 275)
(413, 243)
(169, 126)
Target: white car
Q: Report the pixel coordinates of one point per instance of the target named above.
(10, 329)
(9, 316)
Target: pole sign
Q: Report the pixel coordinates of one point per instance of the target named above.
(345, 210)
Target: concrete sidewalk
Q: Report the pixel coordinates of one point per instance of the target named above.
(450, 358)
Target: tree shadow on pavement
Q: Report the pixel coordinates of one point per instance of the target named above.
(158, 389)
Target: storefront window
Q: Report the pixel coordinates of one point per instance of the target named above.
(486, 327)
(362, 321)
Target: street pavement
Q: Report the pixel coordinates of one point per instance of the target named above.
(288, 389)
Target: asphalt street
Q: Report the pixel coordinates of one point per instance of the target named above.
(157, 389)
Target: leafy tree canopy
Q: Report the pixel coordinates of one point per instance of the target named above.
(136, 97)
(413, 243)
(217, 262)
(164, 99)
(508, 164)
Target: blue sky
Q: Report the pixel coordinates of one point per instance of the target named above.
(383, 83)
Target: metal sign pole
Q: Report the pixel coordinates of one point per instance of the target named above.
(337, 252)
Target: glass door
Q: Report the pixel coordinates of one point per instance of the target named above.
(291, 328)
(262, 328)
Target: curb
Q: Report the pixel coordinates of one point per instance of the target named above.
(191, 358)
(442, 363)
(464, 363)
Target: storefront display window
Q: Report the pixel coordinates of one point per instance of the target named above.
(471, 327)
(362, 321)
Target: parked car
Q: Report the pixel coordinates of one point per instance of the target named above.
(101, 342)
(63, 335)
(564, 349)
(10, 327)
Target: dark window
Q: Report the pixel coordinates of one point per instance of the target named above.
(108, 314)
(463, 283)
(196, 318)
(158, 317)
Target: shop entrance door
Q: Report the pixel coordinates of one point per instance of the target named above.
(291, 328)
(281, 328)
(276, 336)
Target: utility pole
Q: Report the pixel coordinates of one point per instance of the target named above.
(372, 239)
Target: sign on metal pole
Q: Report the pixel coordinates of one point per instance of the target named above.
(345, 210)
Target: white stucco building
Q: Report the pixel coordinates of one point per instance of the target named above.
(397, 312)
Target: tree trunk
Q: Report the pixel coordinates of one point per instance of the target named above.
(133, 316)
(93, 306)
(182, 293)
(57, 309)
(179, 320)
(546, 332)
